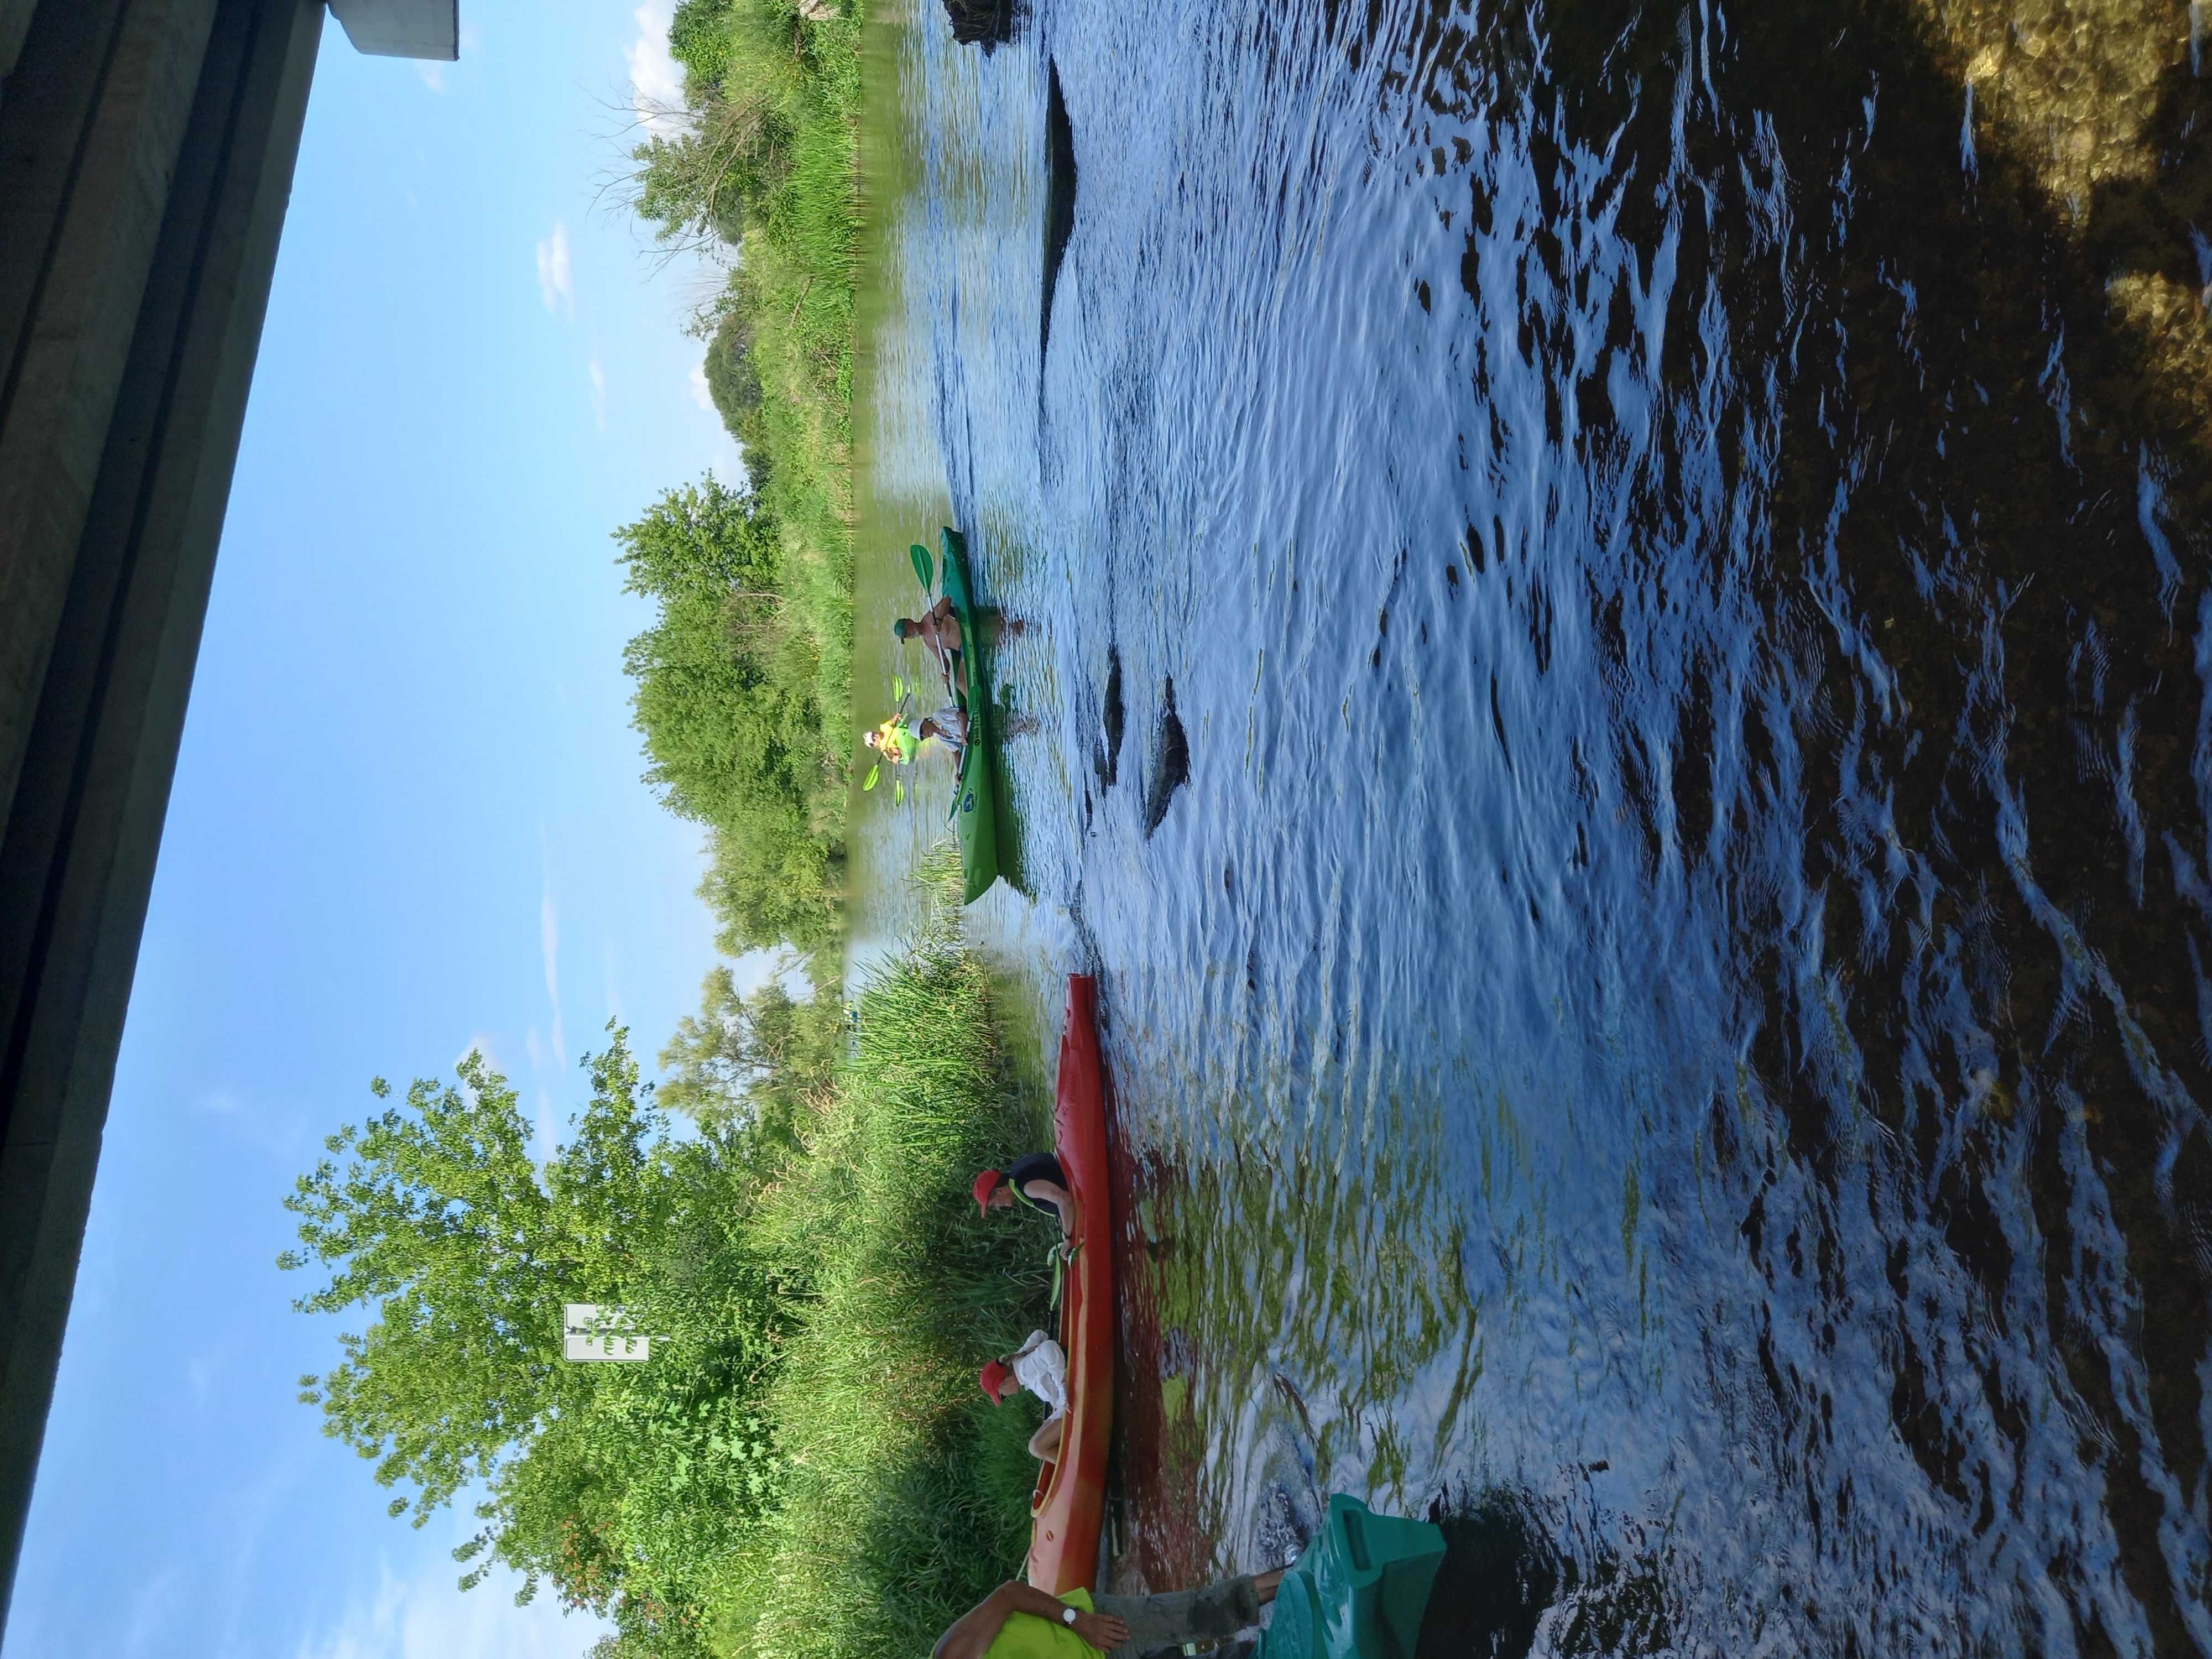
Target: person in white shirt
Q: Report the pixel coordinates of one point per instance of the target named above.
(1039, 1366)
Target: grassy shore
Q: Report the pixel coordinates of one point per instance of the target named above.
(901, 1493)
(904, 1493)
(792, 299)
(763, 161)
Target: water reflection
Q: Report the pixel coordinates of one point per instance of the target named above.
(1669, 996)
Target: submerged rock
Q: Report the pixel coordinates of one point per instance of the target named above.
(986, 24)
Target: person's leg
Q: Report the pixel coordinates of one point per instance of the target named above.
(1044, 1444)
(1174, 1617)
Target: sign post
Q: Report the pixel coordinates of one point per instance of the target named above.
(591, 1331)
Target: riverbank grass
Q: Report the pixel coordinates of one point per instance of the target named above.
(904, 1493)
(760, 168)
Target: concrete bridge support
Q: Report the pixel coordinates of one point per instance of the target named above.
(146, 158)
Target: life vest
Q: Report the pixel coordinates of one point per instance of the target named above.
(896, 741)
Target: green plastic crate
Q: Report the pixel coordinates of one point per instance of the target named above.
(1358, 1591)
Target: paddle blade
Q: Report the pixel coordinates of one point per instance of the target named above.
(899, 689)
(899, 792)
(874, 772)
(923, 567)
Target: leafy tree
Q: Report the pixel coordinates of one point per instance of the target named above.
(726, 701)
(623, 1484)
(768, 884)
(761, 1063)
(734, 383)
(704, 541)
(699, 39)
(746, 80)
(436, 1218)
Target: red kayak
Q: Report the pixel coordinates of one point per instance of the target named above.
(1069, 1505)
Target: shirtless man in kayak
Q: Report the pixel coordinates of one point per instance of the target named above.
(1019, 1621)
(939, 631)
(1037, 1181)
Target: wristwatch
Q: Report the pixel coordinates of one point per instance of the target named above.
(1068, 1617)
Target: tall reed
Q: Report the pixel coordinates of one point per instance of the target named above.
(904, 1493)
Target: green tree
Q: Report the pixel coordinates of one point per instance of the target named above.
(761, 1063)
(747, 69)
(699, 39)
(632, 1497)
(733, 381)
(436, 1218)
(704, 542)
(726, 699)
(622, 1483)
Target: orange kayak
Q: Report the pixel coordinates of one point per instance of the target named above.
(1069, 1505)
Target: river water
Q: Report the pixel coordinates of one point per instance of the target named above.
(1614, 664)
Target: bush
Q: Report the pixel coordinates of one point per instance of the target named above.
(728, 700)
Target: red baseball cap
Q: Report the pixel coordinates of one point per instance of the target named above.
(986, 1184)
(994, 1377)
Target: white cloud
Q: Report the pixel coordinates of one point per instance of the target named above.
(249, 1123)
(549, 945)
(656, 79)
(545, 1129)
(220, 1102)
(556, 276)
(433, 74)
(598, 394)
(702, 394)
(431, 1617)
(154, 1607)
(202, 1370)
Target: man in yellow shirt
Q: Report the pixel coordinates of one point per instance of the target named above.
(1019, 1621)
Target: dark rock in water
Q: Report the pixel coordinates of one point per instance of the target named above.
(1060, 198)
(984, 23)
(1170, 763)
(1108, 760)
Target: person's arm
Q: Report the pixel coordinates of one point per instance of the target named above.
(1060, 1200)
(941, 652)
(973, 1632)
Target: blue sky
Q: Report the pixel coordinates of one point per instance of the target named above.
(407, 820)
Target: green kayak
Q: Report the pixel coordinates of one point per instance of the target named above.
(975, 808)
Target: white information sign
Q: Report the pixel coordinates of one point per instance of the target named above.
(589, 1331)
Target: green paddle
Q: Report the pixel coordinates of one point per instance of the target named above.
(922, 568)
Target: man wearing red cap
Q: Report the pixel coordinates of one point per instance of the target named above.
(1037, 1181)
(1020, 1621)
